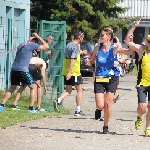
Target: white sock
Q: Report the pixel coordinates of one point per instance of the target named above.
(78, 109)
(59, 100)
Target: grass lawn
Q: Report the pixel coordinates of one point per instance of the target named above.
(12, 117)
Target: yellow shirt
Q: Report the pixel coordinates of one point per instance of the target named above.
(75, 69)
(143, 77)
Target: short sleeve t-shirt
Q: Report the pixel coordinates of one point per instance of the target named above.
(23, 56)
(72, 52)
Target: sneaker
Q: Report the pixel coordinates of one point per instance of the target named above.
(40, 109)
(33, 111)
(97, 114)
(2, 108)
(105, 130)
(56, 106)
(147, 131)
(79, 113)
(15, 107)
(101, 119)
(138, 123)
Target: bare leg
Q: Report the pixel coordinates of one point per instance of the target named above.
(141, 109)
(148, 115)
(39, 94)
(32, 94)
(147, 129)
(9, 93)
(66, 92)
(108, 107)
(78, 97)
(62, 96)
(19, 92)
(99, 99)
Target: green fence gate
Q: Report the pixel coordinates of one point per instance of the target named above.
(10, 38)
(55, 81)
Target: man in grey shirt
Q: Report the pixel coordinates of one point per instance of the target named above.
(20, 69)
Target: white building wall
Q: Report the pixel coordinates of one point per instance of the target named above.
(138, 8)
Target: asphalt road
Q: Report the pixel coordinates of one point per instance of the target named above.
(67, 132)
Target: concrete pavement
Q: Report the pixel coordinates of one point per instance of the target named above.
(67, 132)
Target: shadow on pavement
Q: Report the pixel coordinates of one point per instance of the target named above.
(77, 118)
(74, 131)
(124, 120)
(125, 89)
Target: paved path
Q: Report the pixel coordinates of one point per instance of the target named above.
(84, 133)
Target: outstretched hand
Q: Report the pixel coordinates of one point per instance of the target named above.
(136, 23)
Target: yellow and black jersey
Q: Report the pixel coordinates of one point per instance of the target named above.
(143, 77)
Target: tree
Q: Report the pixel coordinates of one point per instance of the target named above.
(89, 16)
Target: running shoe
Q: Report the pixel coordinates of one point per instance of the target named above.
(105, 130)
(56, 106)
(15, 107)
(101, 119)
(33, 111)
(40, 109)
(2, 108)
(78, 114)
(147, 131)
(138, 123)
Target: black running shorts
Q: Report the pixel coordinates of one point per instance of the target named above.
(34, 72)
(101, 87)
(74, 80)
(21, 78)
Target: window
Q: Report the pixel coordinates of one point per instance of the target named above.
(124, 33)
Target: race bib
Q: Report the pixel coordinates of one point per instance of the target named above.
(103, 79)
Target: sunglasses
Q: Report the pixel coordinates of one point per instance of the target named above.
(148, 41)
(101, 35)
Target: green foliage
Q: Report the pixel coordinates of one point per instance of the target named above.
(89, 16)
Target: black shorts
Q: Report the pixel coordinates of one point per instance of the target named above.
(117, 80)
(101, 87)
(74, 80)
(142, 93)
(21, 78)
(34, 72)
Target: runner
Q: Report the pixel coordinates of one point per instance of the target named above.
(71, 72)
(104, 82)
(116, 69)
(143, 79)
(37, 69)
(20, 72)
